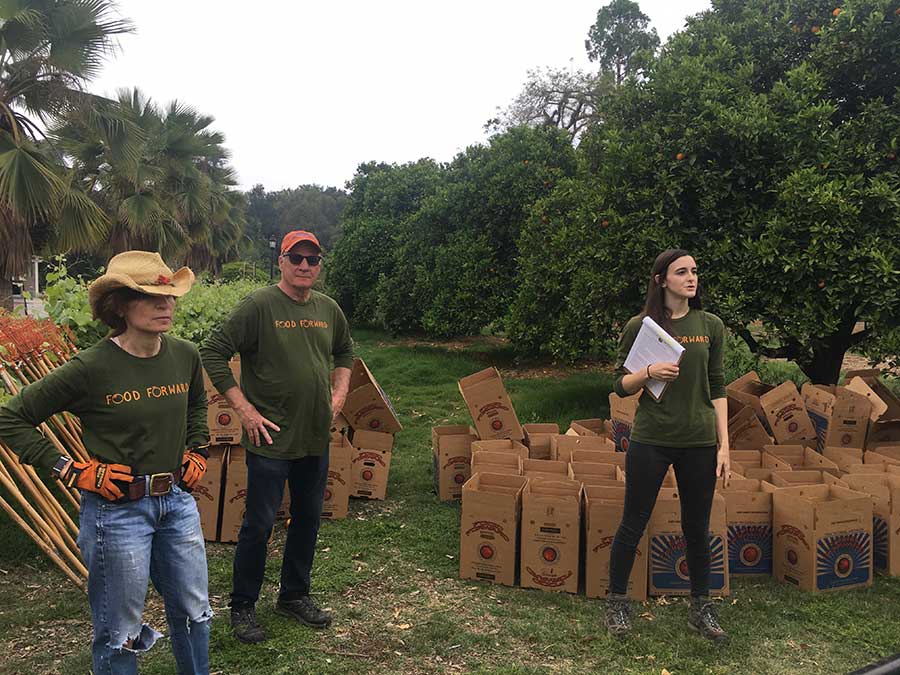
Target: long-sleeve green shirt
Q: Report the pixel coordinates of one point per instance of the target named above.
(286, 349)
(685, 416)
(141, 412)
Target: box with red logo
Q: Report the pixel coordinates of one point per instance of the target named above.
(336, 503)
(745, 430)
(603, 508)
(208, 492)
(562, 447)
(840, 416)
(621, 414)
(368, 407)
(501, 445)
(224, 425)
(537, 438)
(545, 469)
(589, 427)
(489, 527)
(451, 459)
(551, 535)
(234, 494)
(885, 492)
(668, 551)
(489, 405)
(822, 537)
(370, 464)
(748, 517)
(787, 415)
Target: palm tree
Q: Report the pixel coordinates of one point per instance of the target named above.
(49, 50)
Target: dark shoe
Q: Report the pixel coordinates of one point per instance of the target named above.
(304, 610)
(618, 616)
(245, 627)
(703, 619)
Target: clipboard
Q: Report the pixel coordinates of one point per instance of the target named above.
(653, 345)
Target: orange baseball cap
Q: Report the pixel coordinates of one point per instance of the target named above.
(294, 237)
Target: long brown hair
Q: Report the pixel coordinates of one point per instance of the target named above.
(655, 305)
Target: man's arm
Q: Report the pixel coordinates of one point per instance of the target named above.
(340, 386)
(342, 351)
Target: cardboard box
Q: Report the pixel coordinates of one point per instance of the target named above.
(872, 467)
(787, 415)
(551, 535)
(337, 489)
(224, 426)
(489, 405)
(603, 508)
(501, 445)
(822, 537)
(537, 438)
(489, 527)
(621, 414)
(885, 493)
(748, 515)
(884, 455)
(589, 427)
(843, 457)
(782, 479)
(599, 457)
(799, 457)
(545, 469)
(886, 427)
(208, 492)
(840, 416)
(668, 559)
(745, 430)
(370, 464)
(451, 453)
(234, 495)
(593, 473)
(748, 389)
(496, 462)
(562, 447)
(367, 406)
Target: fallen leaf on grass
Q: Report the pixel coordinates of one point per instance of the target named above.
(648, 616)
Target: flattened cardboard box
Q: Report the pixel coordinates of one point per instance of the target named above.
(208, 492)
(537, 438)
(367, 406)
(234, 496)
(224, 425)
(822, 537)
(621, 414)
(562, 447)
(451, 453)
(885, 493)
(551, 535)
(748, 515)
(490, 406)
(603, 508)
(840, 416)
(787, 415)
(370, 464)
(336, 503)
(489, 527)
(668, 552)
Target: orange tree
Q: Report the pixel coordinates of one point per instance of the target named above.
(764, 138)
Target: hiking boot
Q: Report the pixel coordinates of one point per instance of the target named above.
(304, 610)
(618, 615)
(703, 618)
(245, 627)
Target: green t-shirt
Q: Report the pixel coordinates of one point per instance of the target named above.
(141, 412)
(685, 416)
(286, 349)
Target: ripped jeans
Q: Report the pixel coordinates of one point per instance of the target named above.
(126, 545)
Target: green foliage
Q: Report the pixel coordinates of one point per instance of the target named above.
(236, 271)
(66, 302)
(621, 39)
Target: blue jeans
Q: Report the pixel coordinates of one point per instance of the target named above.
(306, 478)
(126, 545)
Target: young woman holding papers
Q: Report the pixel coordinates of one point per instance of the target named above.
(684, 425)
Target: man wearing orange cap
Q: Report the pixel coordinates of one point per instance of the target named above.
(287, 336)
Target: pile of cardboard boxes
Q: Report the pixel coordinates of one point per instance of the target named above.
(814, 501)
(359, 456)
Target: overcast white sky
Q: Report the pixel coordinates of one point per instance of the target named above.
(305, 91)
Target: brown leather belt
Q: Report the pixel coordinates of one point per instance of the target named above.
(151, 485)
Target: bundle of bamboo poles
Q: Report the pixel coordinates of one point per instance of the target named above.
(29, 350)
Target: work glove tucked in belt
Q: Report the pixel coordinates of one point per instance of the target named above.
(95, 476)
(193, 465)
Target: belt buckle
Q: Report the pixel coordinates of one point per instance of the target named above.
(160, 484)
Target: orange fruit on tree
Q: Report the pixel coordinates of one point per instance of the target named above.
(821, 283)
(604, 222)
(815, 29)
(679, 156)
(836, 12)
(795, 28)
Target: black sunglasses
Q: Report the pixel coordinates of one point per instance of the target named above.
(296, 259)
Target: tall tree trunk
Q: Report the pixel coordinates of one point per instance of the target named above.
(6, 293)
(824, 364)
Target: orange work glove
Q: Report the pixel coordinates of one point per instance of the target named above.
(193, 466)
(95, 476)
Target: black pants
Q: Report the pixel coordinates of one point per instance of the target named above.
(306, 479)
(645, 469)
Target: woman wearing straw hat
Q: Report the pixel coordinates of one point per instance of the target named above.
(140, 396)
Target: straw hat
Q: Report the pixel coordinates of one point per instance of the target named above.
(140, 271)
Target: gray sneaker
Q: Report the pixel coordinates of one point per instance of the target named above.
(245, 626)
(704, 619)
(618, 615)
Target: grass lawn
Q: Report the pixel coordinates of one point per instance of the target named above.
(389, 572)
